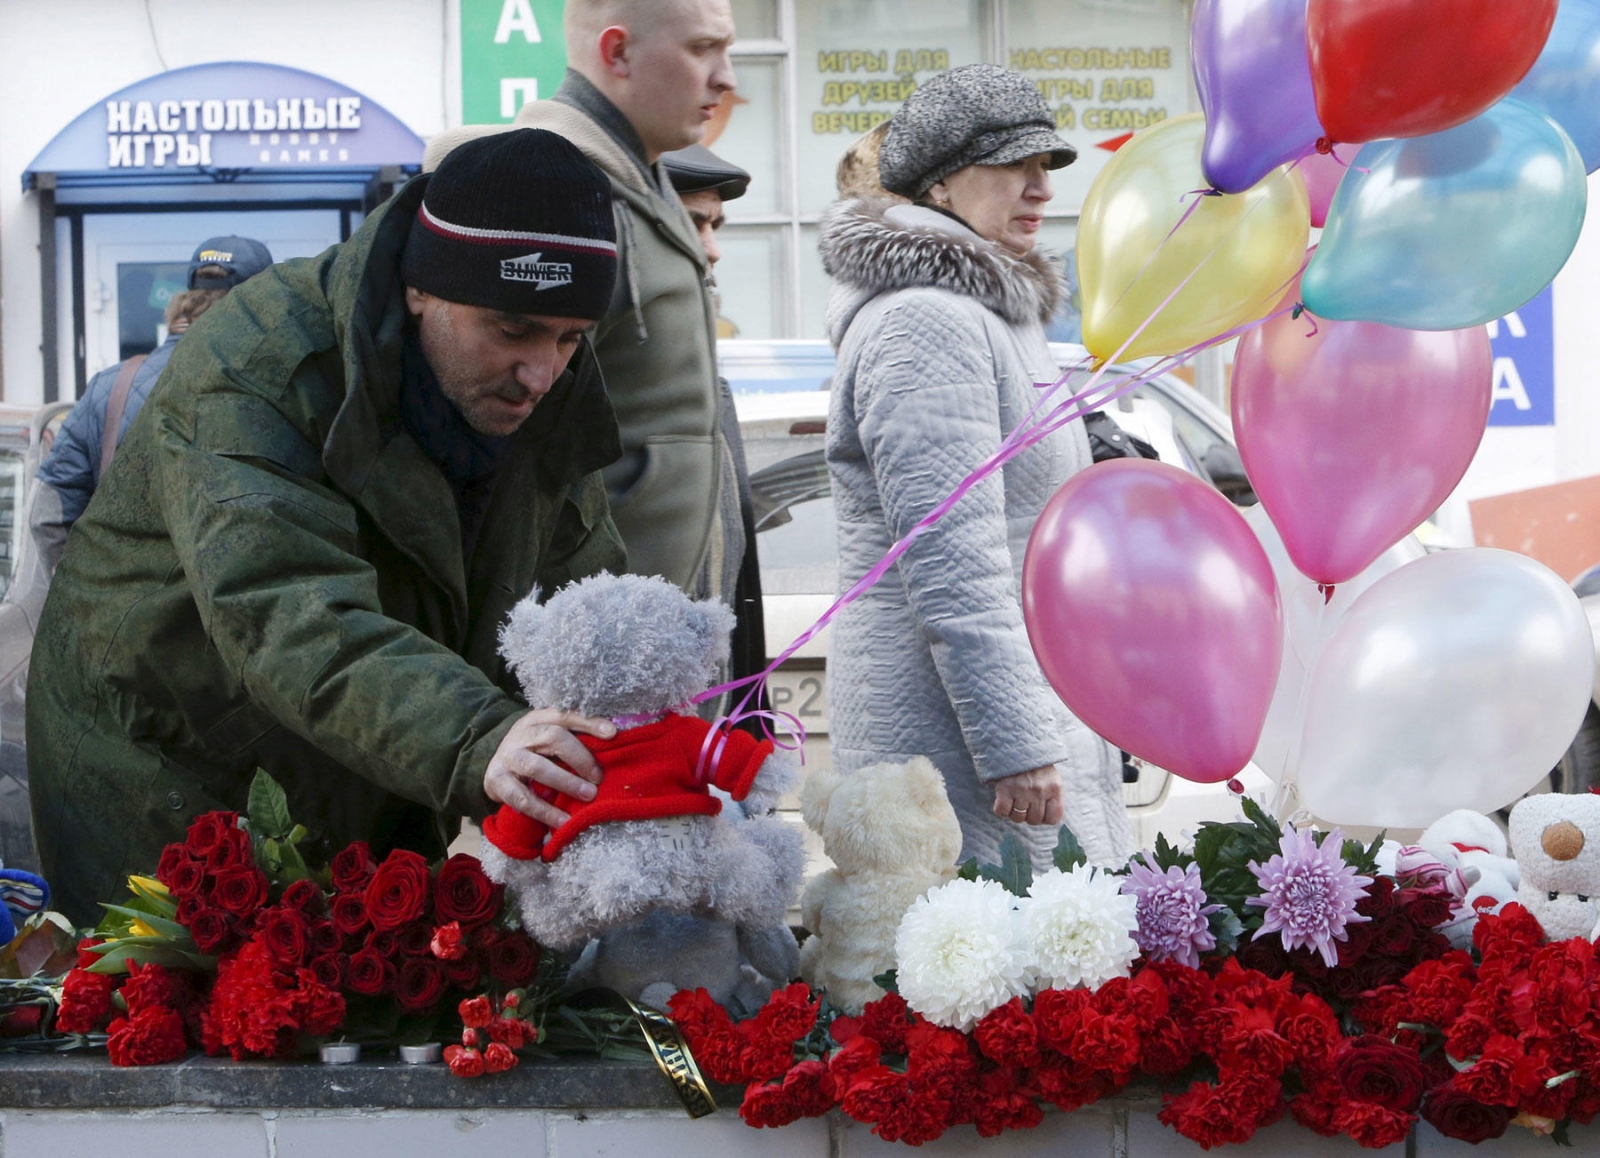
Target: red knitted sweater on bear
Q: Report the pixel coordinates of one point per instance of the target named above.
(647, 773)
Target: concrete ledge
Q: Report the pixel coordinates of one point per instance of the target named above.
(82, 1081)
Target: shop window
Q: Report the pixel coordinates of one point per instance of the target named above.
(751, 278)
(753, 137)
(143, 290)
(755, 20)
(813, 286)
(855, 63)
(1107, 68)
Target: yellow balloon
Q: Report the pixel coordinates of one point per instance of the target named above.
(1242, 249)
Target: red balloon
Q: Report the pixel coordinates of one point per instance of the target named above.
(1403, 68)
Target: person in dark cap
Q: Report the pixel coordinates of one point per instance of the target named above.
(704, 181)
(937, 311)
(89, 435)
(306, 545)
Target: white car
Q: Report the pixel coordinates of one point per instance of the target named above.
(780, 391)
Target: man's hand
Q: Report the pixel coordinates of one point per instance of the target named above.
(530, 751)
(1030, 797)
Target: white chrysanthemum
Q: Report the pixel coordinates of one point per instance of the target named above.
(959, 953)
(1079, 928)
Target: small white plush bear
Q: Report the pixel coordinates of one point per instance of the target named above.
(1557, 842)
(636, 649)
(892, 835)
(1482, 874)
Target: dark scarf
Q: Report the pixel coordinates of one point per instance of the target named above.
(578, 92)
(466, 458)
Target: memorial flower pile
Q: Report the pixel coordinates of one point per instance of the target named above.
(1267, 974)
(237, 946)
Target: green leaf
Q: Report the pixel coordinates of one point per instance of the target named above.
(1225, 927)
(889, 981)
(1258, 816)
(1069, 853)
(162, 925)
(968, 870)
(1015, 871)
(152, 902)
(268, 807)
(1166, 856)
(149, 951)
(296, 834)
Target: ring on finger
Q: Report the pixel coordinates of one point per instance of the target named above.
(1023, 811)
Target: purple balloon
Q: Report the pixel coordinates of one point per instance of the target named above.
(1253, 71)
(1353, 434)
(1154, 614)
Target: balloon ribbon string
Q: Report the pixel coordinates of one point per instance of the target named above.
(1288, 785)
(1027, 434)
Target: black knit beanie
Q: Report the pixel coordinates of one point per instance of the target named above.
(518, 221)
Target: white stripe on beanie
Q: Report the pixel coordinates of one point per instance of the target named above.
(513, 236)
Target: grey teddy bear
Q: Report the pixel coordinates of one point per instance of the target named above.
(656, 883)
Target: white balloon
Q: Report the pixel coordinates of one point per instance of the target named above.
(1309, 621)
(1455, 682)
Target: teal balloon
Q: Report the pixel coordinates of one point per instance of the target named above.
(1452, 229)
(1564, 83)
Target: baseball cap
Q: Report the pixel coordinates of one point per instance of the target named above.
(238, 257)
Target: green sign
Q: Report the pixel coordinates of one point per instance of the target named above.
(512, 52)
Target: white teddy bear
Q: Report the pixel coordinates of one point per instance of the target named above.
(1557, 842)
(892, 835)
(652, 844)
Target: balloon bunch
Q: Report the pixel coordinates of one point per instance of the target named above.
(1381, 693)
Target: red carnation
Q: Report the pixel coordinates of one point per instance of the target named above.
(240, 890)
(349, 914)
(1164, 1049)
(447, 943)
(1315, 1114)
(85, 1001)
(807, 1091)
(1375, 1070)
(369, 973)
(304, 895)
(498, 1058)
(513, 1032)
(151, 1036)
(330, 969)
(1008, 1035)
(148, 986)
(211, 930)
(1001, 1105)
(462, 892)
(512, 958)
(287, 935)
(463, 1062)
(1373, 1126)
(398, 891)
(419, 985)
(353, 867)
(1059, 1012)
(476, 1012)
(1492, 1078)
(885, 1021)
(860, 1054)
(207, 830)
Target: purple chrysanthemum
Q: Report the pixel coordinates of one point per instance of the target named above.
(1309, 893)
(1172, 913)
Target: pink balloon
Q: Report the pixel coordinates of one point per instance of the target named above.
(1154, 614)
(1353, 434)
(1322, 173)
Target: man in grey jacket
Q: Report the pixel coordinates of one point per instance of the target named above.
(645, 77)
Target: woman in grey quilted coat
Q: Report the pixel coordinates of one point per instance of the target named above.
(936, 311)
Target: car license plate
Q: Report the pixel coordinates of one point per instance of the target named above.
(803, 693)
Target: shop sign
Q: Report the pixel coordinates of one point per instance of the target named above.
(217, 117)
(512, 52)
(1106, 71)
(1524, 392)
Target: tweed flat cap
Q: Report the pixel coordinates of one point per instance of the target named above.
(978, 114)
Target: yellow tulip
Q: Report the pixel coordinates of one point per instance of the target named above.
(148, 885)
(140, 929)
(1241, 249)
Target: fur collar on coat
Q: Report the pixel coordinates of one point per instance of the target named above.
(876, 245)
